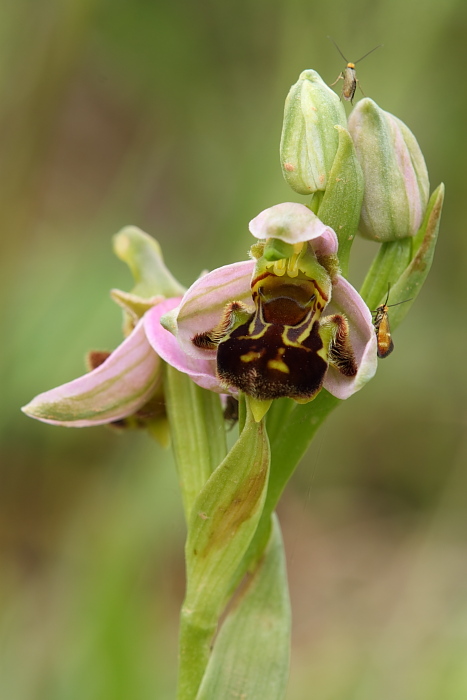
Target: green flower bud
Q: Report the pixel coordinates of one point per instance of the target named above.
(396, 179)
(309, 140)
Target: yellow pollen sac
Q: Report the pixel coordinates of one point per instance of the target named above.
(292, 267)
(289, 266)
(251, 356)
(280, 267)
(292, 263)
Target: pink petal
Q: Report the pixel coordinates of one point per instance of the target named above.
(202, 306)
(202, 371)
(115, 389)
(417, 199)
(346, 300)
(294, 223)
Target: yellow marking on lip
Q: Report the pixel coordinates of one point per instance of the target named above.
(279, 365)
(307, 325)
(251, 356)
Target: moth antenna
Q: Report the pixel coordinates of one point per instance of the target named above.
(387, 297)
(399, 302)
(330, 37)
(375, 311)
(367, 54)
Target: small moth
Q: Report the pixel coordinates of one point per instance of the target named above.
(349, 74)
(382, 328)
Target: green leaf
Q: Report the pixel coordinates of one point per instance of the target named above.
(251, 653)
(411, 281)
(289, 442)
(390, 262)
(222, 524)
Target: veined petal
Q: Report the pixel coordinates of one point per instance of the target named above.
(294, 223)
(202, 371)
(346, 300)
(115, 389)
(201, 308)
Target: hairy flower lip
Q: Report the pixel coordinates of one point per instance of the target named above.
(232, 282)
(345, 300)
(116, 389)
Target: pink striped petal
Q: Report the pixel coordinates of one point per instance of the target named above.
(346, 300)
(115, 389)
(202, 371)
(202, 306)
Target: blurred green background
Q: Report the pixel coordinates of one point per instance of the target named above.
(168, 116)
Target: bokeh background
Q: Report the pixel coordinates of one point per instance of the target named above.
(168, 116)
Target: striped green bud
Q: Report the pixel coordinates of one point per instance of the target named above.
(396, 179)
(309, 140)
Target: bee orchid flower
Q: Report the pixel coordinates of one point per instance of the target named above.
(285, 323)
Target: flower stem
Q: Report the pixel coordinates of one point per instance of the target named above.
(197, 430)
(194, 653)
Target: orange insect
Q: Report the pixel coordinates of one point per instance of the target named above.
(382, 328)
(349, 74)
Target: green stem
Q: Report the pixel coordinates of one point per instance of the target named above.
(197, 430)
(315, 201)
(241, 412)
(278, 415)
(194, 652)
(290, 445)
(389, 263)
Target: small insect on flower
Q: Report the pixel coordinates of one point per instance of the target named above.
(349, 74)
(382, 328)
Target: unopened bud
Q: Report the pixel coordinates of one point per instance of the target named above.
(309, 140)
(396, 179)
